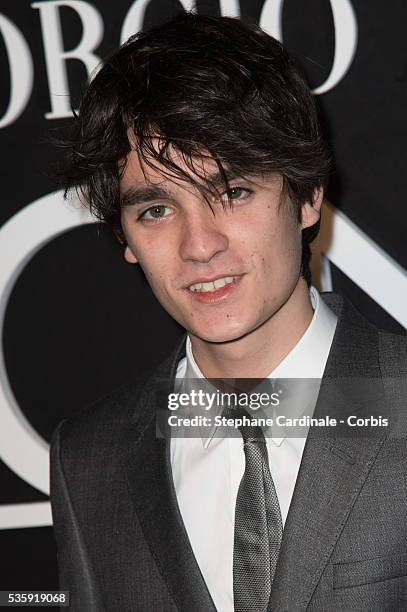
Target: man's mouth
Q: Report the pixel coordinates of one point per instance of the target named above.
(210, 286)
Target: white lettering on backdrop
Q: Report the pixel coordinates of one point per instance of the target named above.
(21, 63)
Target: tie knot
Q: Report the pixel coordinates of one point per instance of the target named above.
(251, 433)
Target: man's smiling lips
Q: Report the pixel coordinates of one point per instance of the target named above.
(213, 290)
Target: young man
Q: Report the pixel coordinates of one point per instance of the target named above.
(199, 143)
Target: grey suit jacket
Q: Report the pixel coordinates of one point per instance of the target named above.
(122, 545)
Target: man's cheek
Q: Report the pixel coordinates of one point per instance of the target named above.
(148, 267)
(159, 286)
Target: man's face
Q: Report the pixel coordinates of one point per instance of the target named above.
(221, 273)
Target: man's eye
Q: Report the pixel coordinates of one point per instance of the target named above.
(236, 193)
(155, 213)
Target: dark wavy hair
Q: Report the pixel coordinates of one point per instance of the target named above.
(206, 86)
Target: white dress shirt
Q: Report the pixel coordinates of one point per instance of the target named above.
(207, 471)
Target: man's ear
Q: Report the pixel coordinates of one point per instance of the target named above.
(311, 211)
(129, 256)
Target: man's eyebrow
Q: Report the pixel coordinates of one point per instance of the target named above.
(218, 178)
(134, 196)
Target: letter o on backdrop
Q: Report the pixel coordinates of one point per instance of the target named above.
(346, 36)
(21, 447)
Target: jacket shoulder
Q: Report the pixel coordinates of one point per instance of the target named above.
(109, 411)
(108, 421)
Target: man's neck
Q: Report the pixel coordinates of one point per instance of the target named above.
(258, 353)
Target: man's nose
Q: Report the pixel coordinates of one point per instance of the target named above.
(201, 236)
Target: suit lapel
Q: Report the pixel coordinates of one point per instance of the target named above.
(150, 479)
(333, 467)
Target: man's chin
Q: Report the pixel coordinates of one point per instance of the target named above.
(219, 336)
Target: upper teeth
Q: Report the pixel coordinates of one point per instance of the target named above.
(213, 285)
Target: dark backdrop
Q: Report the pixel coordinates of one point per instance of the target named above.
(78, 320)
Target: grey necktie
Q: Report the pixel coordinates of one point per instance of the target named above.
(258, 526)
